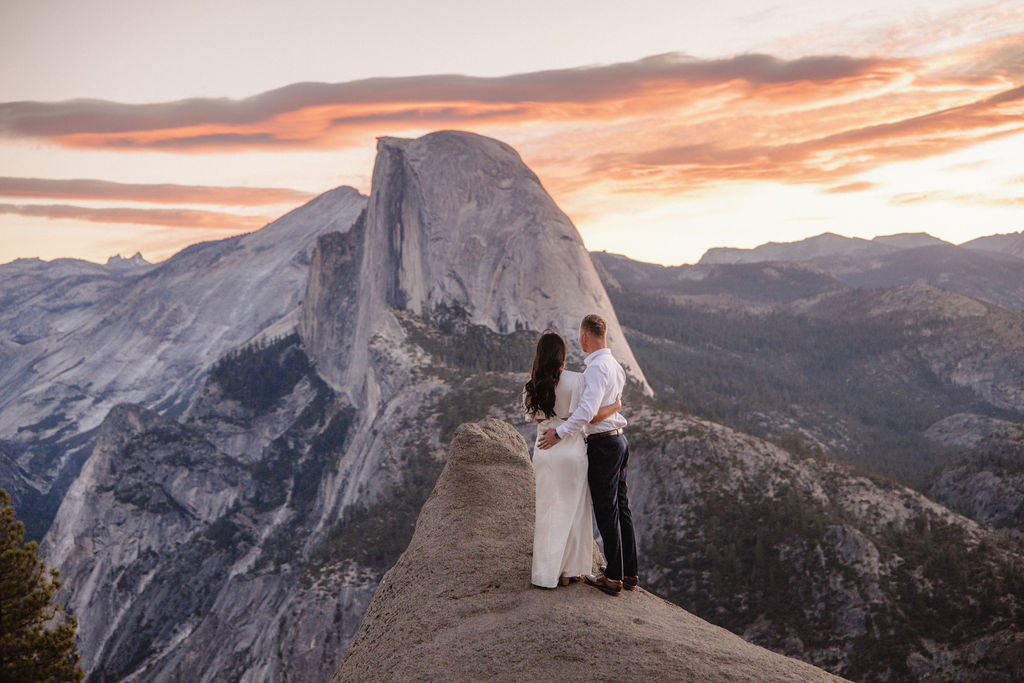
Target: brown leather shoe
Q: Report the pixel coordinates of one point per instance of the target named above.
(630, 583)
(609, 586)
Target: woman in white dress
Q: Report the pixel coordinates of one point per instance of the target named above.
(563, 538)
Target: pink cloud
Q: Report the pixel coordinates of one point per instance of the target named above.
(160, 193)
(178, 218)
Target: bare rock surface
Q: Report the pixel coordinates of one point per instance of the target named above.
(965, 430)
(458, 605)
(455, 221)
(78, 338)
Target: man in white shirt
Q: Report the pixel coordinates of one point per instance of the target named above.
(607, 455)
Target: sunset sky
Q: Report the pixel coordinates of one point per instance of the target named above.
(661, 128)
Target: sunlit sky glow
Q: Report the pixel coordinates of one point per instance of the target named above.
(662, 129)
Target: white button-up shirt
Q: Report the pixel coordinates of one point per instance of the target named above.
(603, 381)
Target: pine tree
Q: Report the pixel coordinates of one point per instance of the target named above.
(37, 640)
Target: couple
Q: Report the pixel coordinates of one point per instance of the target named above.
(580, 456)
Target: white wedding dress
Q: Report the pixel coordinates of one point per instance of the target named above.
(563, 537)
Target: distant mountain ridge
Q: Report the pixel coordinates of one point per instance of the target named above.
(1009, 243)
(826, 244)
(785, 348)
(989, 268)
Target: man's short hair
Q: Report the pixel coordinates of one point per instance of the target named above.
(595, 326)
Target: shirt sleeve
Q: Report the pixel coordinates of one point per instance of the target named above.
(594, 381)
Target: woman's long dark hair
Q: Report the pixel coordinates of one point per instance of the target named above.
(539, 391)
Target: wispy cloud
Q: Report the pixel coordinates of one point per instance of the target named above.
(968, 198)
(317, 114)
(665, 123)
(669, 125)
(859, 186)
(177, 218)
(158, 193)
(801, 156)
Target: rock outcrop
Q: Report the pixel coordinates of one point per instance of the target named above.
(458, 605)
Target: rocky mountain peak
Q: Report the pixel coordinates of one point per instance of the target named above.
(458, 604)
(118, 261)
(909, 240)
(455, 221)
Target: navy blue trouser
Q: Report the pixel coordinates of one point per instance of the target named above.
(606, 473)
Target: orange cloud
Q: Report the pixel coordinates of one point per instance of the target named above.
(851, 187)
(318, 114)
(164, 193)
(667, 123)
(822, 146)
(178, 218)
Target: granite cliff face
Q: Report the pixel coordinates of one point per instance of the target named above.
(455, 221)
(187, 547)
(77, 338)
(458, 604)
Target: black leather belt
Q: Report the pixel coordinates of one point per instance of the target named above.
(603, 435)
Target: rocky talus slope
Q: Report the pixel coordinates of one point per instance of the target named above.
(458, 605)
